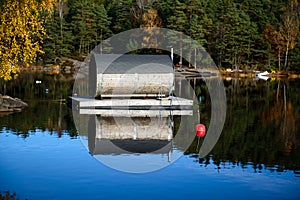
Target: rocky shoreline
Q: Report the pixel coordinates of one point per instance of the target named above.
(9, 104)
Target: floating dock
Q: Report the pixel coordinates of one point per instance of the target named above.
(133, 107)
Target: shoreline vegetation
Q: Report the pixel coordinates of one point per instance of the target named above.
(238, 35)
(71, 66)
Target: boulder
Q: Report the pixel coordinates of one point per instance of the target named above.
(9, 104)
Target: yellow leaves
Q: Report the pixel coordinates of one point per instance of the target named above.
(21, 31)
(271, 34)
(7, 69)
(151, 19)
(47, 5)
(287, 31)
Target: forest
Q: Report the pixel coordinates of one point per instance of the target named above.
(238, 34)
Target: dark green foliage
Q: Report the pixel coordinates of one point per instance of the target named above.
(58, 44)
(46, 106)
(230, 30)
(121, 15)
(90, 25)
(164, 9)
(178, 20)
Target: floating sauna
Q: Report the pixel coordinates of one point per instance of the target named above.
(130, 75)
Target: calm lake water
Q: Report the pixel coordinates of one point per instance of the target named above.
(257, 155)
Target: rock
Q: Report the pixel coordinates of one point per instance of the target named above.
(9, 104)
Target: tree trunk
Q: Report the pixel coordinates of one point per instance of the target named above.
(195, 58)
(279, 59)
(286, 54)
(60, 9)
(269, 57)
(277, 92)
(285, 110)
(180, 59)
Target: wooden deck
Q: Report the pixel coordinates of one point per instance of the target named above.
(170, 103)
(135, 113)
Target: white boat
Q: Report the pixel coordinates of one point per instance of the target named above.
(262, 75)
(265, 73)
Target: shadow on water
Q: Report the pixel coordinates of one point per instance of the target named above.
(261, 130)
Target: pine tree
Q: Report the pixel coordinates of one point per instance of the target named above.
(234, 40)
(196, 21)
(90, 25)
(121, 13)
(178, 21)
(58, 43)
(164, 9)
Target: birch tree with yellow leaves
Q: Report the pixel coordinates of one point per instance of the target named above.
(289, 27)
(21, 33)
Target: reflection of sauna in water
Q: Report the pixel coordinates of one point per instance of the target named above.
(126, 135)
(130, 105)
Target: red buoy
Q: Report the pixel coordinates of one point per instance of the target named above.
(200, 130)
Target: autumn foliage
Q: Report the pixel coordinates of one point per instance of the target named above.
(248, 34)
(21, 33)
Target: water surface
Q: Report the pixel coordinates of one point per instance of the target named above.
(257, 155)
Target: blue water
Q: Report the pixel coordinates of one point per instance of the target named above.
(253, 158)
(46, 166)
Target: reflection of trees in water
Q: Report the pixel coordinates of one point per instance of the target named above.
(7, 195)
(27, 87)
(281, 114)
(46, 106)
(51, 116)
(261, 125)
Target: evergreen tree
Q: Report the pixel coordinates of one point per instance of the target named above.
(234, 33)
(178, 21)
(195, 15)
(58, 43)
(90, 25)
(121, 13)
(164, 9)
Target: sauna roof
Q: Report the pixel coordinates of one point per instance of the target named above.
(131, 63)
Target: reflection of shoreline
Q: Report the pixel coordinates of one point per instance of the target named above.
(241, 95)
